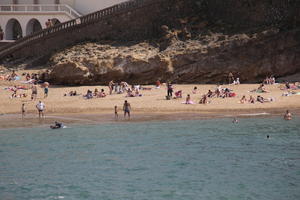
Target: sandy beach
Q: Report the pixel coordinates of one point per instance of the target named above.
(152, 105)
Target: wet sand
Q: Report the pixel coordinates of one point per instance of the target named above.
(73, 119)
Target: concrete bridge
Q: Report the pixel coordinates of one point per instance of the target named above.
(18, 21)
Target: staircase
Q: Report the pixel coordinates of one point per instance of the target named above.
(73, 25)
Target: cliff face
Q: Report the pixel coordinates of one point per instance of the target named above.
(207, 60)
(184, 41)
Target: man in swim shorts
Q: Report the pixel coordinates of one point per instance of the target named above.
(288, 115)
(40, 107)
(126, 108)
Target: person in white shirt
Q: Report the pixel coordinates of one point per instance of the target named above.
(40, 107)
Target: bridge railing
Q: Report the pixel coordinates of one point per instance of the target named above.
(39, 8)
(87, 19)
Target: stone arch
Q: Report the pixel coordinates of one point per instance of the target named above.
(13, 30)
(55, 21)
(33, 26)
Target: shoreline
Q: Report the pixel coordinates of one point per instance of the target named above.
(10, 121)
(150, 105)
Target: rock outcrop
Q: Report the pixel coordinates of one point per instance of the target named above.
(185, 41)
(207, 59)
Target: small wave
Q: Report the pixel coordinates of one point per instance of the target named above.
(255, 114)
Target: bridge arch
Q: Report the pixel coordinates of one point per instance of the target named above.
(33, 26)
(13, 30)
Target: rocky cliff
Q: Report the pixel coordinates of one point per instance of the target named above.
(187, 41)
(206, 60)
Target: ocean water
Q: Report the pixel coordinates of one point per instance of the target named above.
(175, 160)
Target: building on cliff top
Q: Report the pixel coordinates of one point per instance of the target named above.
(19, 18)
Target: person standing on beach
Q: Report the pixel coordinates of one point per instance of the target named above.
(170, 89)
(33, 92)
(230, 78)
(40, 107)
(23, 110)
(116, 112)
(126, 109)
(111, 86)
(46, 90)
(288, 115)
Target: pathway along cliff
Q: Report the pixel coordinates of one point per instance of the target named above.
(187, 41)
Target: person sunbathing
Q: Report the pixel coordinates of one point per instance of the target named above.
(261, 88)
(287, 85)
(209, 94)
(218, 91)
(195, 90)
(203, 100)
(251, 99)
(129, 93)
(260, 99)
(89, 94)
(178, 94)
(263, 100)
(188, 100)
(101, 94)
(96, 92)
(243, 99)
(137, 92)
(157, 84)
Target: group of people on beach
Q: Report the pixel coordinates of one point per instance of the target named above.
(219, 92)
(134, 91)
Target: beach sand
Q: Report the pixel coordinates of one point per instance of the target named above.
(152, 105)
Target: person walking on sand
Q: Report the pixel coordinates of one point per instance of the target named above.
(169, 89)
(116, 112)
(288, 115)
(126, 109)
(23, 110)
(40, 107)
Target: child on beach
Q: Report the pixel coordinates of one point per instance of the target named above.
(46, 91)
(116, 112)
(23, 110)
(188, 100)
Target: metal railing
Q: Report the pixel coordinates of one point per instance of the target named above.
(75, 23)
(39, 8)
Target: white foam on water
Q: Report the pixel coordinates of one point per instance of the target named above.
(255, 114)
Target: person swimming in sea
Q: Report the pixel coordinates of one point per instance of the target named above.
(116, 112)
(235, 121)
(287, 115)
(56, 125)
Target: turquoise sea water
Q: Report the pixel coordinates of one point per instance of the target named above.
(179, 160)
